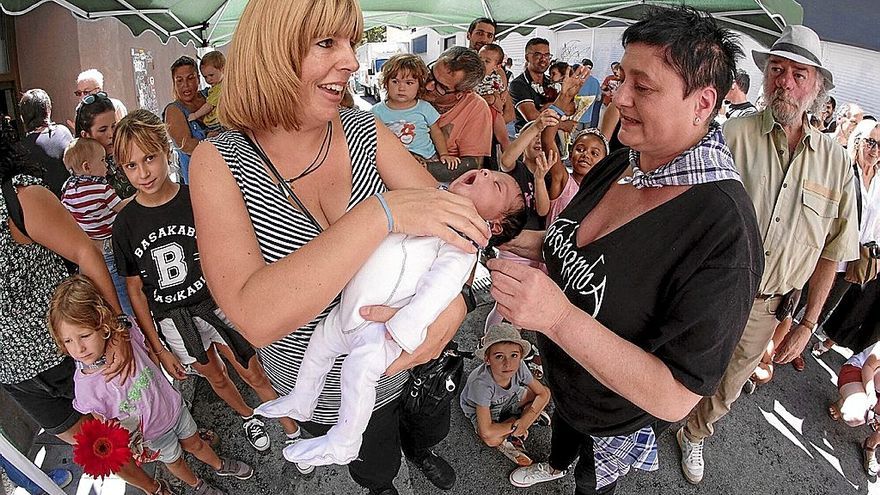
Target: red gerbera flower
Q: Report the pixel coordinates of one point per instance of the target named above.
(101, 447)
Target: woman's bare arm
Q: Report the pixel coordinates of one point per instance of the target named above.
(178, 128)
(249, 290)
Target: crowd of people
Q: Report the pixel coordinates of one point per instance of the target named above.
(657, 243)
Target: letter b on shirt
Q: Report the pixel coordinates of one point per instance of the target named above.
(170, 264)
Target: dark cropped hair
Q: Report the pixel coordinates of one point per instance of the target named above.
(536, 41)
(512, 223)
(35, 108)
(700, 51)
(481, 20)
(461, 58)
(834, 104)
(742, 80)
(183, 61)
(86, 112)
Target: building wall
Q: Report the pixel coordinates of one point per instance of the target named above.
(54, 47)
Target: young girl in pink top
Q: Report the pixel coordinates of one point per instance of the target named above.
(81, 321)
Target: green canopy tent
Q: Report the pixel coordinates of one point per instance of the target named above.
(212, 22)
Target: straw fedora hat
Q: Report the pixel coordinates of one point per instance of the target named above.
(502, 332)
(799, 44)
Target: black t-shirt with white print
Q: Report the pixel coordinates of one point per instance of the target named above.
(677, 281)
(159, 244)
(526, 181)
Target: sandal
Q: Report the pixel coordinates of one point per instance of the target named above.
(799, 363)
(164, 488)
(833, 412)
(819, 348)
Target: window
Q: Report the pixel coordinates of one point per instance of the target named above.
(420, 44)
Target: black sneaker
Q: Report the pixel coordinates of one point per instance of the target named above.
(436, 469)
(255, 433)
(749, 387)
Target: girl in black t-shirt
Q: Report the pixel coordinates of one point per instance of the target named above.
(154, 242)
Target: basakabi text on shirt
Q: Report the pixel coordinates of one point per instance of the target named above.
(169, 230)
(180, 295)
(578, 273)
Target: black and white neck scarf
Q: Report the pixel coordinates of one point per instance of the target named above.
(710, 160)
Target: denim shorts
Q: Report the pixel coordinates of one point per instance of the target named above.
(168, 445)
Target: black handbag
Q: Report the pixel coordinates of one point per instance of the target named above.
(434, 383)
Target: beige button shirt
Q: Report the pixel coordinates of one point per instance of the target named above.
(805, 203)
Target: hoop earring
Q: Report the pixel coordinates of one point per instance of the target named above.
(107, 334)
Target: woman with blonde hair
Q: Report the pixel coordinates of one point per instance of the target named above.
(293, 201)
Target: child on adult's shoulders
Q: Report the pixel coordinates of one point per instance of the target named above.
(501, 398)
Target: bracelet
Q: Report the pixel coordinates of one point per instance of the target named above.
(387, 211)
(811, 325)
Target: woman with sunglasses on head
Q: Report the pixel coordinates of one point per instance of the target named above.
(292, 201)
(96, 119)
(185, 133)
(853, 310)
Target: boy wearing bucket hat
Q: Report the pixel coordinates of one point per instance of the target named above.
(803, 191)
(501, 398)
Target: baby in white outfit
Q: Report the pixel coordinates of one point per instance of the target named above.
(419, 275)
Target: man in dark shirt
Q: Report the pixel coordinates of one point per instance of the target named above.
(532, 91)
(739, 106)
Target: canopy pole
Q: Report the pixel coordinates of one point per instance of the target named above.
(27, 467)
(218, 15)
(142, 16)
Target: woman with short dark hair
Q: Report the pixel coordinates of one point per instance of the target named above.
(44, 140)
(653, 266)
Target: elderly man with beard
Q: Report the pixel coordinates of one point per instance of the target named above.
(803, 191)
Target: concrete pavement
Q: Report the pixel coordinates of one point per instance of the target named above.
(778, 441)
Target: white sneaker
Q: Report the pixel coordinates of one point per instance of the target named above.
(692, 464)
(302, 468)
(539, 472)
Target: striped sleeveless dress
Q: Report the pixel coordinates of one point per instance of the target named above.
(281, 230)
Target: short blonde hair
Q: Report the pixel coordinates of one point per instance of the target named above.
(215, 59)
(142, 128)
(79, 151)
(405, 63)
(77, 301)
(262, 88)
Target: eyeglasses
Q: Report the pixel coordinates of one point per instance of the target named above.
(89, 99)
(871, 143)
(439, 88)
(80, 94)
(548, 56)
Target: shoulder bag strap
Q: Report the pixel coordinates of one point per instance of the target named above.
(282, 184)
(13, 206)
